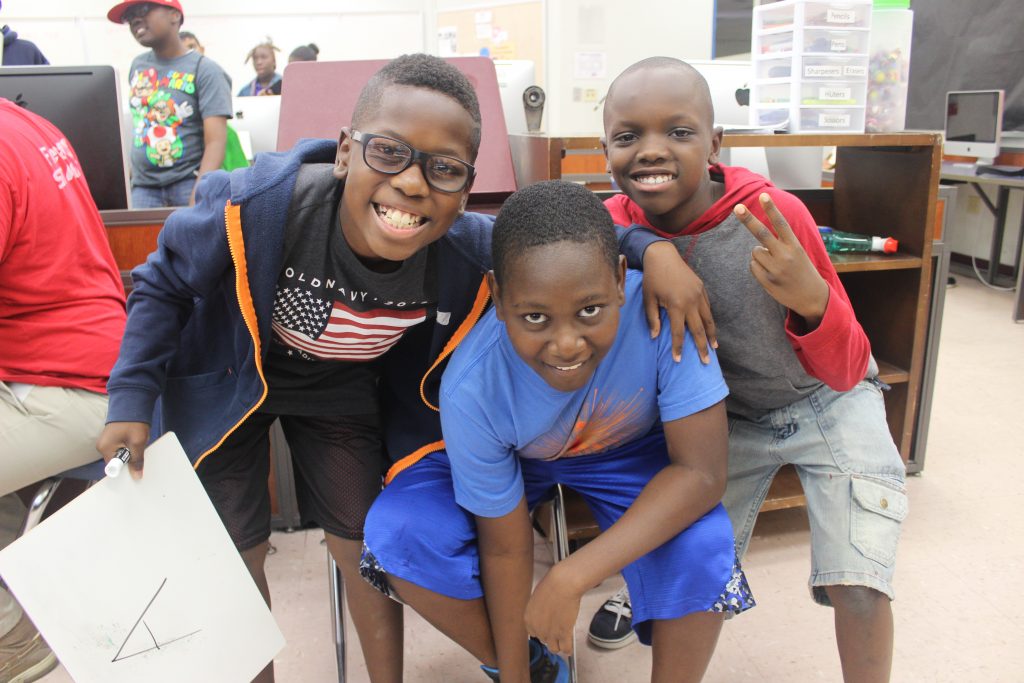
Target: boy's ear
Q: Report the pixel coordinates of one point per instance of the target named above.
(344, 154)
(492, 285)
(716, 144)
(604, 148)
(620, 276)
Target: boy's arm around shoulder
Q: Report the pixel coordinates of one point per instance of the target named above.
(837, 350)
(470, 235)
(669, 285)
(190, 260)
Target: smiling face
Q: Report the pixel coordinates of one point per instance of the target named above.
(659, 140)
(560, 304)
(264, 62)
(391, 217)
(156, 27)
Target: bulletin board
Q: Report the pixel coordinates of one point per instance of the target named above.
(513, 31)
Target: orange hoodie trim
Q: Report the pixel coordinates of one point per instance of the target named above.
(236, 245)
(411, 459)
(483, 295)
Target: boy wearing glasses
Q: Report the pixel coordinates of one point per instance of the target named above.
(276, 297)
(180, 103)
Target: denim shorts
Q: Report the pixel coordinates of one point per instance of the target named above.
(176, 194)
(851, 473)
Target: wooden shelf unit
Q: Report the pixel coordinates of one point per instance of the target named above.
(885, 184)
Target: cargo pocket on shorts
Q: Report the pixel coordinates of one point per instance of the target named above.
(878, 510)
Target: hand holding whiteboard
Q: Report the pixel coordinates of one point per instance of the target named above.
(137, 580)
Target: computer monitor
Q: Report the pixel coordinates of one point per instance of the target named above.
(258, 118)
(974, 123)
(84, 103)
(729, 82)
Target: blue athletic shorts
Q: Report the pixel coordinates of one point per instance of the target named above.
(416, 531)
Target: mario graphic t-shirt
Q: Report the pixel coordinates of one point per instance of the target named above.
(333, 316)
(169, 100)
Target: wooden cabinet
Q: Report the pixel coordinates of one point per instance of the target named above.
(884, 184)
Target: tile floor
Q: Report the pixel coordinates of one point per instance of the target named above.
(959, 611)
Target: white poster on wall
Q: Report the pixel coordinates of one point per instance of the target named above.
(447, 41)
(139, 581)
(590, 65)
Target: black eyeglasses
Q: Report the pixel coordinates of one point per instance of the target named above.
(390, 156)
(134, 11)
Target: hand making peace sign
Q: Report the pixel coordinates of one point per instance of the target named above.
(782, 266)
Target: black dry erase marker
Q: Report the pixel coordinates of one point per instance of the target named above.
(121, 456)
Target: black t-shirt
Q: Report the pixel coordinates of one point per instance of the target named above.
(333, 316)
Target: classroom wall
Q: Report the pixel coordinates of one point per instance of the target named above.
(78, 32)
(590, 41)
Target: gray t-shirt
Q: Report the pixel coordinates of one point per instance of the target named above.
(758, 362)
(169, 100)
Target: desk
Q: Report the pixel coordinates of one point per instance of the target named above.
(1003, 185)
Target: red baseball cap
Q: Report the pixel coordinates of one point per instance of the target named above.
(116, 14)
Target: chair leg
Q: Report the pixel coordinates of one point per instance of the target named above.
(44, 494)
(561, 549)
(337, 586)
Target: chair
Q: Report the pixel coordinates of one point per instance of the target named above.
(560, 533)
(48, 487)
(337, 586)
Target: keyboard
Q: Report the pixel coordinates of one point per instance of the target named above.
(1013, 171)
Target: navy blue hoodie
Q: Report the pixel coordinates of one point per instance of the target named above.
(20, 52)
(199, 324)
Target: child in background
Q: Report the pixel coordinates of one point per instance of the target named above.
(191, 42)
(803, 385)
(562, 383)
(180, 103)
(275, 296)
(264, 63)
(304, 53)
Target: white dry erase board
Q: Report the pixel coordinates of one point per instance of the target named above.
(139, 581)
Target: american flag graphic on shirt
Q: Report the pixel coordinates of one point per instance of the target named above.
(330, 330)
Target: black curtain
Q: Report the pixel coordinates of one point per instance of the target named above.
(965, 45)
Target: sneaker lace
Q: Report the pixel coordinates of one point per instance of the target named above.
(619, 605)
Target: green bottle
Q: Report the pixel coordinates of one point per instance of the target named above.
(839, 242)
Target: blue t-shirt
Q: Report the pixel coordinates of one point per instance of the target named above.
(494, 407)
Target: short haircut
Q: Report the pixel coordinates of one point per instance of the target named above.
(549, 212)
(420, 71)
(188, 34)
(669, 63)
(304, 53)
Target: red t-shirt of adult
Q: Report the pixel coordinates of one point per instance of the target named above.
(62, 310)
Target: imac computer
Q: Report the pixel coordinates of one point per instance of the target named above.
(84, 103)
(255, 119)
(729, 82)
(974, 123)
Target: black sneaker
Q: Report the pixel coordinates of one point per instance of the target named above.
(612, 625)
(545, 666)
